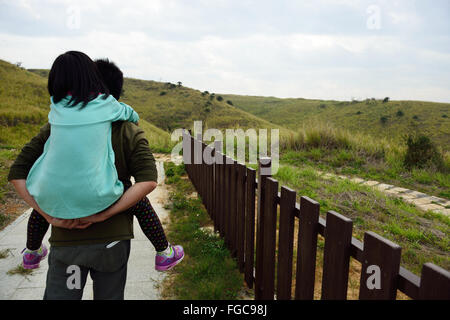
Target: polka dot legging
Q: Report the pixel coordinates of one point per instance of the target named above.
(150, 224)
(143, 210)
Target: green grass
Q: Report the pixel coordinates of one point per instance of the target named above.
(359, 155)
(424, 236)
(20, 270)
(208, 271)
(4, 253)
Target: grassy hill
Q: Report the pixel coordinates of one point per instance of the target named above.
(389, 120)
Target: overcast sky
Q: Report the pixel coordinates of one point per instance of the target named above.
(327, 49)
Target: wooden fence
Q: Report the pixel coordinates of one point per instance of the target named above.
(244, 209)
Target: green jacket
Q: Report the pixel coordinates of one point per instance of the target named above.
(132, 158)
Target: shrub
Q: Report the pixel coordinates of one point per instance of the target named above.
(415, 117)
(230, 102)
(400, 113)
(444, 116)
(359, 112)
(383, 119)
(422, 152)
(385, 100)
(322, 106)
(162, 93)
(219, 98)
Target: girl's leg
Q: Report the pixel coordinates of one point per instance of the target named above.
(150, 224)
(36, 229)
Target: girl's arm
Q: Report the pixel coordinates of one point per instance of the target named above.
(122, 111)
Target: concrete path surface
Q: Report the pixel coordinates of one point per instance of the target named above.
(142, 279)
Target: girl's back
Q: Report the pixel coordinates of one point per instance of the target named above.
(75, 176)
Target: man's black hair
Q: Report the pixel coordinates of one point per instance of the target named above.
(112, 76)
(75, 73)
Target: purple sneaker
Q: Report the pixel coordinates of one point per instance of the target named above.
(165, 262)
(31, 259)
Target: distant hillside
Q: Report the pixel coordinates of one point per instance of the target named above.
(170, 106)
(390, 120)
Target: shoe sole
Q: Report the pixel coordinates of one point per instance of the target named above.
(170, 266)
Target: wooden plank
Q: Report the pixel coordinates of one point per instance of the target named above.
(250, 226)
(269, 239)
(285, 243)
(222, 197)
(233, 214)
(240, 245)
(263, 164)
(338, 235)
(227, 203)
(380, 267)
(307, 249)
(434, 283)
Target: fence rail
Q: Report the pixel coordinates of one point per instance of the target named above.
(246, 206)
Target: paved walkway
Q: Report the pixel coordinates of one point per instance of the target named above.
(419, 199)
(142, 278)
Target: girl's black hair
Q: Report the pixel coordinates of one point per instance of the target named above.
(75, 73)
(111, 75)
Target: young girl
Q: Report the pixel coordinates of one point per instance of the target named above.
(75, 176)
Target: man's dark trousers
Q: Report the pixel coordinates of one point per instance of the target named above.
(69, 267)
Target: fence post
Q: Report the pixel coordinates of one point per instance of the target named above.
(250, 226)
(240, 215)
(187, 152)
(227, 201)
(217, 182)
(380, 267)
(285, 243)
(233, 214)
(222, 196)
(307, 249)
(269, 239)
(338, 236)
(434, 283)
(263, 163)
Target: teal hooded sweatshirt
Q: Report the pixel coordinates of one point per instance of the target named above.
(75, 176)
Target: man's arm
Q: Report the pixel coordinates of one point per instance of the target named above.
(132, 196)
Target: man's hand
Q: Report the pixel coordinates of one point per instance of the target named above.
(98, 217)
(67, 223)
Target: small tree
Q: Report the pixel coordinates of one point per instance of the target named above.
(179, 83)
(385, 100)
(422, 152)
